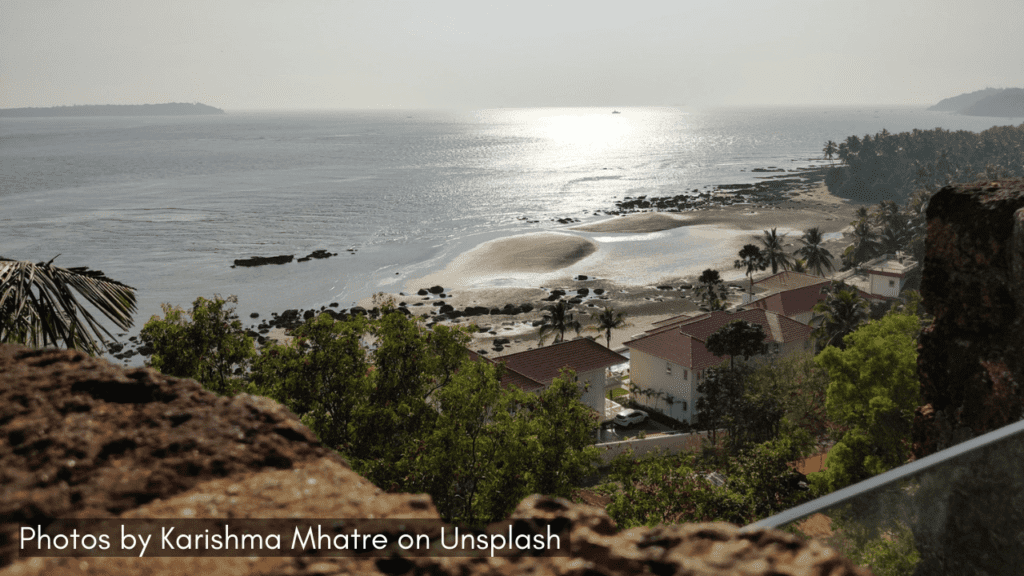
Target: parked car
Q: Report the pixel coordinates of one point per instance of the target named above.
(630, 417)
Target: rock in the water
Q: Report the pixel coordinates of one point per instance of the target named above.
(264, 260)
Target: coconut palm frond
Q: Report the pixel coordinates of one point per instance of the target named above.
(39, 307)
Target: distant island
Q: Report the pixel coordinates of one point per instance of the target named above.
(169, 109)
(1002, 102)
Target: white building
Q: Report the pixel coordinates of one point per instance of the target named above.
(667, 363)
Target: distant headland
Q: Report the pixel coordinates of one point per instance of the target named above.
(169, 109)
(1002, 102)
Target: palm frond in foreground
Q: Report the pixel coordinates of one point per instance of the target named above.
(39, 307)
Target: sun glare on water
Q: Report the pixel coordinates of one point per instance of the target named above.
(585, 129)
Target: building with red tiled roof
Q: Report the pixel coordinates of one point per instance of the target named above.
(794, 294)
(667, 363)
(540, 366)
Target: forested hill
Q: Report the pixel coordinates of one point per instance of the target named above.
(893, 166)
(169, 109)
(1008, 104)
(958, 103)
(1001, 102)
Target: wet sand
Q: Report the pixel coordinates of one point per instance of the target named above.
(640, 262)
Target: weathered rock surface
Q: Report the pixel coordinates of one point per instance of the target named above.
(970, 361)
(80, 437)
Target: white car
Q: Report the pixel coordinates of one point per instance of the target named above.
(630, 417)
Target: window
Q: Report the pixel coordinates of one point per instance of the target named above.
(684, 405)
(668, 367)
(892, 283)
(686, 374)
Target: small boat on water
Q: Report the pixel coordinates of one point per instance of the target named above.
(616, 112)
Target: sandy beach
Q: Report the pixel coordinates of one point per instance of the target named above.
(639, 264)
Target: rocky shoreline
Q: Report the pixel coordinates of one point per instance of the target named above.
(503, 322)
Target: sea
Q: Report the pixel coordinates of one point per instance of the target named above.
(166, 204)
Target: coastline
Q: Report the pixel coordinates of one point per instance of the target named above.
(625, 262)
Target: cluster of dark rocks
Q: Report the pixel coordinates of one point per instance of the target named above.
(285, 258)
(768, 191)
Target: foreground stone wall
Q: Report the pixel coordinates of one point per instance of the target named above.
(80, 437)
(971, 360)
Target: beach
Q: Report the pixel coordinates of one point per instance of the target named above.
(640, 264)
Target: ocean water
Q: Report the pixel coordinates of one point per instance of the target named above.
(165, 204)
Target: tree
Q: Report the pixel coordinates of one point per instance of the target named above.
(718, 391)
(562, 427)
(865, 245)
(320, 374)
(829, 150)
(873, 391)
(842, 311)
(774, 255)
(415, 414)
(608, 320)
(711, 290)
(559, 319)
(800, 385)
(738, 338)
(753, 260)
(819, 260)
(38, 306)
(207, 343)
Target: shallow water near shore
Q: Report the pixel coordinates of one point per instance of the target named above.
(167, 204)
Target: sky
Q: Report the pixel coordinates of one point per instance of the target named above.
(468, 54)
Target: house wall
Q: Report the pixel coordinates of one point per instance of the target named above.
(593, 396)
(880, 285)
(648, 372)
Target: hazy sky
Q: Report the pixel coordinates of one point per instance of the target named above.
(304, 54)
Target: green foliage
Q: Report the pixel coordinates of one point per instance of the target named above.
(818, 259)
(320, 374)
(751, 258)
(894, 166)
(39, 307)
(711, 290)
(206, 343)
(417, 415)
(842, 311)
(774, 254)
(606, 321)
(676, 489)
(558, 319)
(888, 550)
(799, 385)
(873, 391)
(738, 338)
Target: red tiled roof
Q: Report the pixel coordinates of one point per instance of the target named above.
(787, 280)
(683, 342)
(510, 377)
(794, 301)
(543, 364)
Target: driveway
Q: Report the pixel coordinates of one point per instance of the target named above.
(611, 432)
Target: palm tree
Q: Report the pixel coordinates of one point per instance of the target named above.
(38, 306)
(830, 150)
(862, 214)
(818, 258)
(774, 254)
(711, 289)
(799, 266)
(839, 314)
(753, 260)
(865, 244)
(559, 319)
(608, 320)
